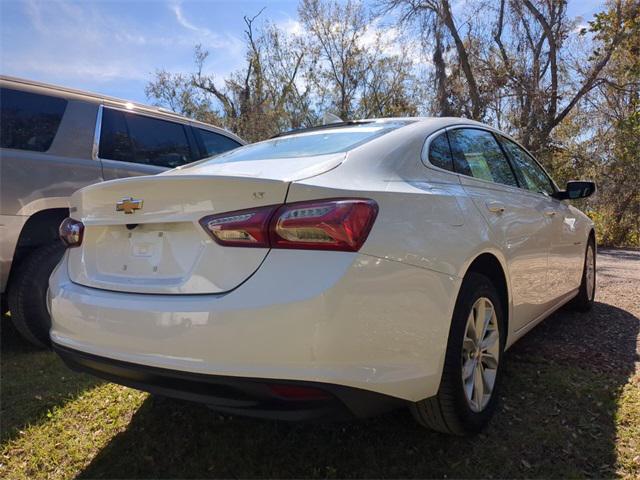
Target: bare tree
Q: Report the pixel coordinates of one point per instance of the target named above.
(355, 72)
(521, 71)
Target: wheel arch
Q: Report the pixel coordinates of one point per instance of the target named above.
(490, 265)
(40, 229)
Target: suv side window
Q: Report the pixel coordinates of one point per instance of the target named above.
(476, 153)
(530, 174)
(440, 152)
(136, 138)
(29, 121)
(214, 143)
(115, 143)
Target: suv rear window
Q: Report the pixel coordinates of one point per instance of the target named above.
(135, 138)
(315, 142)
(214, 143)
(29, 121)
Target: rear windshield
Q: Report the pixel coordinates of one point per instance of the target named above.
(319, 142)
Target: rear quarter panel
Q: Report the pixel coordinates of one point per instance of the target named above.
(425, 220)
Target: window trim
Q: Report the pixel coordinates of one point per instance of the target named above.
(96, 135)
(424, 157)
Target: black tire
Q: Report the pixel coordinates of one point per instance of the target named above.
(27, 296)
(449, 411)
(583, 302)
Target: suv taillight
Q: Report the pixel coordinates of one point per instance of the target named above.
(71, 232)
(335, 224)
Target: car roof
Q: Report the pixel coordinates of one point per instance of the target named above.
(408, 120)
(32, 85)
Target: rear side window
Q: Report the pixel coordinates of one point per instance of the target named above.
(29, 121)
(150, 141)
(476, 153)
(115, 143)
(440, 153)
(530, 174)
(214, 143)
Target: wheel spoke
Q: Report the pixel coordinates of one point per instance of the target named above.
(471, 328)
(468, 345)
(489, 377)
(480, 312)
(478, 386)
(489, 340)
(488, 315)
(489, 360)
(468, 368)
(468, 384)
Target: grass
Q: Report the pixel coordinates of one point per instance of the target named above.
(569, 407)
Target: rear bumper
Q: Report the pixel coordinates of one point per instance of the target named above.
(327, 317)
(235, 395)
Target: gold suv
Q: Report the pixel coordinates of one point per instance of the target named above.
(56, 140)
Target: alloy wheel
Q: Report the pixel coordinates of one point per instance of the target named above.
(480, 354)
(591, 273)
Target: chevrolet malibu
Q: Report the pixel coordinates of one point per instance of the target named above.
(336, 271)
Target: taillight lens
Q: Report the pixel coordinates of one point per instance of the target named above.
(323, 225)
(243, 228)
(71, 232)
(336, 224)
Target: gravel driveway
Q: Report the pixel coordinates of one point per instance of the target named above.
(608, 337)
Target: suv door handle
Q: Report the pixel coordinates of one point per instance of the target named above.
(550, 212)
(495, 207)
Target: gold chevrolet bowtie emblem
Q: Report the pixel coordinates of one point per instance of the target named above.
(128, 205)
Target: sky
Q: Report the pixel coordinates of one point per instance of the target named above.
(113, 46)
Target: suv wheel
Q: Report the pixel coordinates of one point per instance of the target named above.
(27, 296)
(473, 363)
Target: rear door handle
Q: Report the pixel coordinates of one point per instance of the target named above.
(495, 207)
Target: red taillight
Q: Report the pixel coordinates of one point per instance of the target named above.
(336, 224)
(323, 225)
(71, 232)
(243, 228)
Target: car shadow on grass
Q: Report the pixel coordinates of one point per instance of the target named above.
(33, 383)
(556, 418)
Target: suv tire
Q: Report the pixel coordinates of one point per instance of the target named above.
(27, 296)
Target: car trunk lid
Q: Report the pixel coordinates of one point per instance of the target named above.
(142, 234)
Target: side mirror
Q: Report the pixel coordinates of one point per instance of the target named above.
(576, 189)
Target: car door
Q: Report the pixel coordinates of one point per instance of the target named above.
(517, 218)
(133, 144)
(566, 249)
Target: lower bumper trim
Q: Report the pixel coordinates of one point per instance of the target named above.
(235, 395)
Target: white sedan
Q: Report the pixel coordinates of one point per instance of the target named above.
(340, 271)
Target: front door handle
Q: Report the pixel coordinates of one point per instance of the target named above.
(495, 207)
